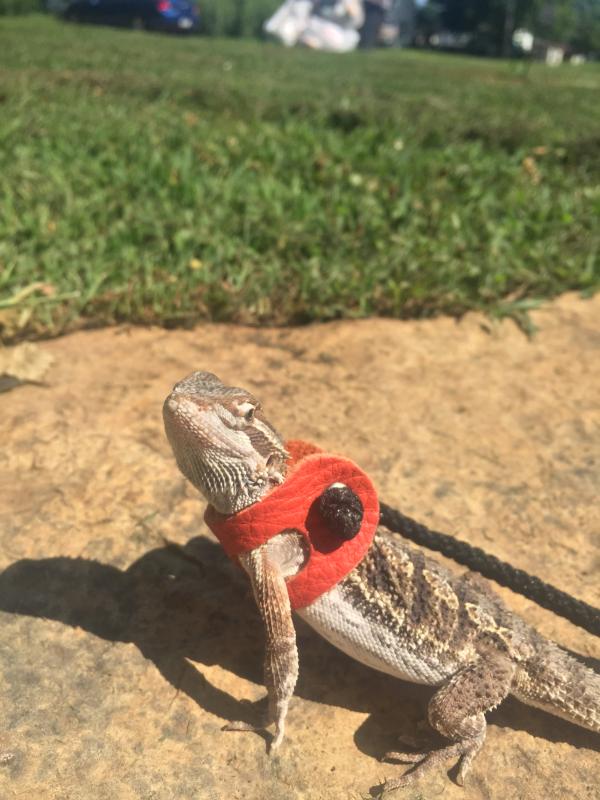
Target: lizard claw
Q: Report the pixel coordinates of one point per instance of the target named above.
(424, 762)
(243, 727)
(266, 719)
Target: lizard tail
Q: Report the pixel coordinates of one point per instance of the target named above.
(557, 682)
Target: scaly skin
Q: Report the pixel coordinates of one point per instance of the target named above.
(397, 611)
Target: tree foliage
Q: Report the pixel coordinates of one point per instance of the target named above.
(16, 7)
(236, 17)
(586, 36)
(573, 22)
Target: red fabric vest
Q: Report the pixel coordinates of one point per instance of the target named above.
(294, 504)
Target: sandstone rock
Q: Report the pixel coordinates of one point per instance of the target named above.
(128, 639)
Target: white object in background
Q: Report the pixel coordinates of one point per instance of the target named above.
(347, 13)
(554, 56)
(523, 40)
(323, 34)
(289, 21)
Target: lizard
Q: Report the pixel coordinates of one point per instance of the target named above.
(398, 610)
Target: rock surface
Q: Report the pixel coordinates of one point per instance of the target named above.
(127, 638)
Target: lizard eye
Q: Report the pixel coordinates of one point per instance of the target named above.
(247, 411)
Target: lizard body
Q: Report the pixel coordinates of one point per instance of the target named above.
(398, 611)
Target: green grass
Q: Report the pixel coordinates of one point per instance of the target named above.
(159, 179)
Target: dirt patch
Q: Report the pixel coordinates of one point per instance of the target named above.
(127, 638)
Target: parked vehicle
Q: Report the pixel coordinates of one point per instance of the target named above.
(155, 15)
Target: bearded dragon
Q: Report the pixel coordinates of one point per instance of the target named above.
(397, 611)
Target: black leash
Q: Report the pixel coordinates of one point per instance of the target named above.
(476, 559)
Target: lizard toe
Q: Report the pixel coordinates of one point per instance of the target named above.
(241, 725)
(424, 763)
(403, 758)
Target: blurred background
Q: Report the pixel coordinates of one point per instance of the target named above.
(486, 27)
(281, 163)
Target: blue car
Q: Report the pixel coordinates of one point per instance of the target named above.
(176, 16)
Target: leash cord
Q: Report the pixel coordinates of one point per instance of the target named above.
(474, 558)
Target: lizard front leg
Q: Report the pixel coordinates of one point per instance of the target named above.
(281, 654)
(457, 711)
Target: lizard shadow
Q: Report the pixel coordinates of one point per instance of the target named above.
(178, 603)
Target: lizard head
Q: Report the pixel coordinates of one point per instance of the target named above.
(222, 442)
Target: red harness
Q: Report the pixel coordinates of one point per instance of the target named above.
(294, 504)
